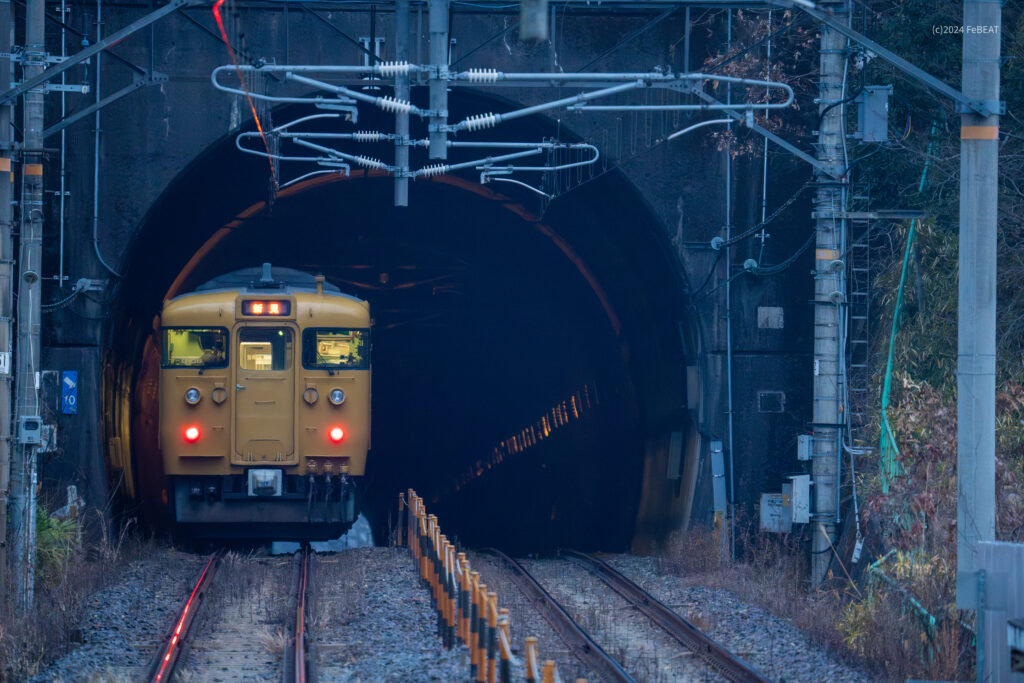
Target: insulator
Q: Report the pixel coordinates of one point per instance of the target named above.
(370, 162)
(393, 68)
(482, 75)
(389, 103)
(480, 121)
(367, 136)
(436, 169)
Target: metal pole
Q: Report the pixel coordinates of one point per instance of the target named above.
(728, 314)
(29, 290)
(438, 20)
(402, 92)
(976, 364)
(6, 267)
(828, 295)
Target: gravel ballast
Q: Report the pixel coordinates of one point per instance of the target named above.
(373, 621)
(124, 623)
(774, 646)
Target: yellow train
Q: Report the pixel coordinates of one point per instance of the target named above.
(264, 406)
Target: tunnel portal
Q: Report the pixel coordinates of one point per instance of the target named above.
(522, 362)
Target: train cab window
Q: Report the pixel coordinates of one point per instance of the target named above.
(264, 348)
(195, 347)
(332, 348)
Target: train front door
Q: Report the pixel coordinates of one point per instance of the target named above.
(264, 395)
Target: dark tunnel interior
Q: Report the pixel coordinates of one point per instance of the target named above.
(518, 365)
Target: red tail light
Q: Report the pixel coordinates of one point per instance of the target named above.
(192, 434)
(336, 434)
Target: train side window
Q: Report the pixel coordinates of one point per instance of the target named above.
(332, 348)
(195, 347)
(264, 348)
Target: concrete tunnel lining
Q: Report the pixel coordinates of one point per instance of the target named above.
(603, 247)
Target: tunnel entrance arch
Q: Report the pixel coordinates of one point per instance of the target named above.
(525, 368)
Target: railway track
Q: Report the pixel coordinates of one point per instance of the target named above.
(299, 658)
(250, 637)
(165, 664)
(715, 655)
(611, 620)
(580, 644)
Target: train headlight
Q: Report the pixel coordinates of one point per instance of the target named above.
(191, 433)
(337, 396)
(192, 396)
(310, 395)
(336, 434)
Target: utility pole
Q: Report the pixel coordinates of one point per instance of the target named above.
(976, 362)
(438, 82)
(403, 93)
(29, 291)
(6, 271)
(829, 297)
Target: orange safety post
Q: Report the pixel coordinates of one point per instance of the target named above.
(492, 638)
(548, 674)
(442, 597)
(453, 593)
(481, 634)
(410, 519)
(505, 645)
(463, 599)
(474, 624)
(532, 673)
(432, 551)
(449, 611)
(400, 529)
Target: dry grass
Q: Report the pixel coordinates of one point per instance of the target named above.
(870, 624)
(273, 640)
(28, 641)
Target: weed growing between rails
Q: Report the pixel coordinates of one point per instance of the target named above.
(69, 571)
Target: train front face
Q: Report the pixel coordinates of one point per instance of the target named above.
(264, 411)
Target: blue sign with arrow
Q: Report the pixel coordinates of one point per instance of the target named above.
(69, 392)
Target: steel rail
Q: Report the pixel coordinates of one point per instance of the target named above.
(576, 639)
(163, 667)
(298, 666)
(714, 654)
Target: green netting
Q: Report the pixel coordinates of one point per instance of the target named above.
(889, 452)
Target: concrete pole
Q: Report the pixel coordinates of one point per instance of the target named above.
(6, 271)
(402, 92)
(976, 364)
(828, 295)
(29, 291)
(438, 20)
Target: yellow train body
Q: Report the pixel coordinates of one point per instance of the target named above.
(265, 406)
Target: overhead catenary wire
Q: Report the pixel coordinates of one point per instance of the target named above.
(749, 232)
(779, 267)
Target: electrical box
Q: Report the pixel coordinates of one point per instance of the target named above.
(718, 476)
(1015, 638)
(771, 402)
(803, 447)
(776, 515)
(873, 113)
(801, 500)
(30, 429)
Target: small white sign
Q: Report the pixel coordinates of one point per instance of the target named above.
(771, 317)
(5, 362)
